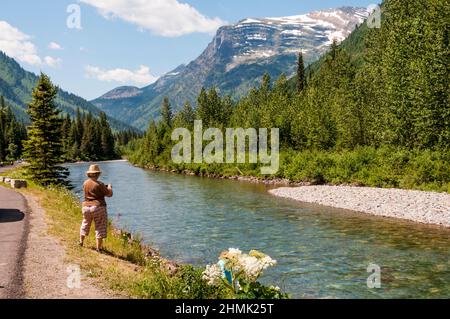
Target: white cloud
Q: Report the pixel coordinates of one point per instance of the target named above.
(53, 62)
(55, 46)
(141, 76)
(168, 18)
(17, 45)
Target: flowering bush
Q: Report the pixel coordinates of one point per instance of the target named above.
(239, 272)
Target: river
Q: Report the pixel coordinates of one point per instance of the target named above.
(321, 252)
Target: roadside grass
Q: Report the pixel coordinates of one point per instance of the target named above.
(128, 267)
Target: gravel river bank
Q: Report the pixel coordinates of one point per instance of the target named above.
(418, 206)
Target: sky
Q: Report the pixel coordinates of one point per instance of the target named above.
(89, 47)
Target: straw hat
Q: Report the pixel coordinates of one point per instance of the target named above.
(94, 169)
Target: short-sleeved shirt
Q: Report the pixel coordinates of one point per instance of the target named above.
(94, 193)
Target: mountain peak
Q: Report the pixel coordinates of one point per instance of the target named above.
(122, 92)
(237, 58)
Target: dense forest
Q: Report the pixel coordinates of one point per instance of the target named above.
(88, 138)
(12, 133)
(51, 138)
(84, 138)
(17, 84)
(376, 113)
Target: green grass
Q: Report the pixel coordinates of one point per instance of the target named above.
(126, 267)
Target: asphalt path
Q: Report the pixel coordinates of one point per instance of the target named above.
(13, 241)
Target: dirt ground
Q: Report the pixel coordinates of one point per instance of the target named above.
(46, 274)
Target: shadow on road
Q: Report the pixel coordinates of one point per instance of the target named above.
(11, 215)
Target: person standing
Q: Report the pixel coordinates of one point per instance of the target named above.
(94, 206)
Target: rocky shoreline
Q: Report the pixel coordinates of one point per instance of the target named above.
(417, 206)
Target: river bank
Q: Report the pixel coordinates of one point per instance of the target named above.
(417, 206)
(191, 220)
(128, 268)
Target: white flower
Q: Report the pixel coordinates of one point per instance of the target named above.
(267, 262)
(251, 266)
(212, 274)
(234, 252)
(248, 267)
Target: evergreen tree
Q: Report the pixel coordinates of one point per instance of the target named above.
(65, 134)
(202, 106)
(187, 116)
(43, 149)
(216, 112)
(166, 113)
(301, 78)
(107, 139)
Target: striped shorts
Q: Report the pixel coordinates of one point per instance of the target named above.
(99, 215)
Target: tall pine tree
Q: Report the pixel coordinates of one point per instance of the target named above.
(43, 149)
(301, 79)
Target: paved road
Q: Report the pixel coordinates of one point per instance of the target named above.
(13, 238)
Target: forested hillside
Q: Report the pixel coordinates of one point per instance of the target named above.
(374, 111)
(16, 86)
(236, 60)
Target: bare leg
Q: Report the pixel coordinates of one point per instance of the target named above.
(99, 244)
(82, 240)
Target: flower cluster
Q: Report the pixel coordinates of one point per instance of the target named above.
(242, 267)
(253, 264)
(213, 274)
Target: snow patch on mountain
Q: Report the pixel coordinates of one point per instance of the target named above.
(256, 39)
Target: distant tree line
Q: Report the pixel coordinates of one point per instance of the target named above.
(399, 96)
(123, 138)
(51, 139)
(84, 138)
(87, 138)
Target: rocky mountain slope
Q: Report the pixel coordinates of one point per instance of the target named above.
(236, 60)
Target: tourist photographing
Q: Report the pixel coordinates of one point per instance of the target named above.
(94, 206)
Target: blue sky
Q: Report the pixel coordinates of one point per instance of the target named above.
(126, 42)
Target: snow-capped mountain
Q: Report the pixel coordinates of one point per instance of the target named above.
(236, 60)
(255, 39)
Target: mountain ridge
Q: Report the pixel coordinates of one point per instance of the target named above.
(16, 85)
(236, 59)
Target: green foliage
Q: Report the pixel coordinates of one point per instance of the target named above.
(90, 139)
(406, 76)
(368, 166)
(257, 290)
(301, 77)
(186, 283)
(16, 85)
(43, 149)
(12, 133)
(382, 89)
